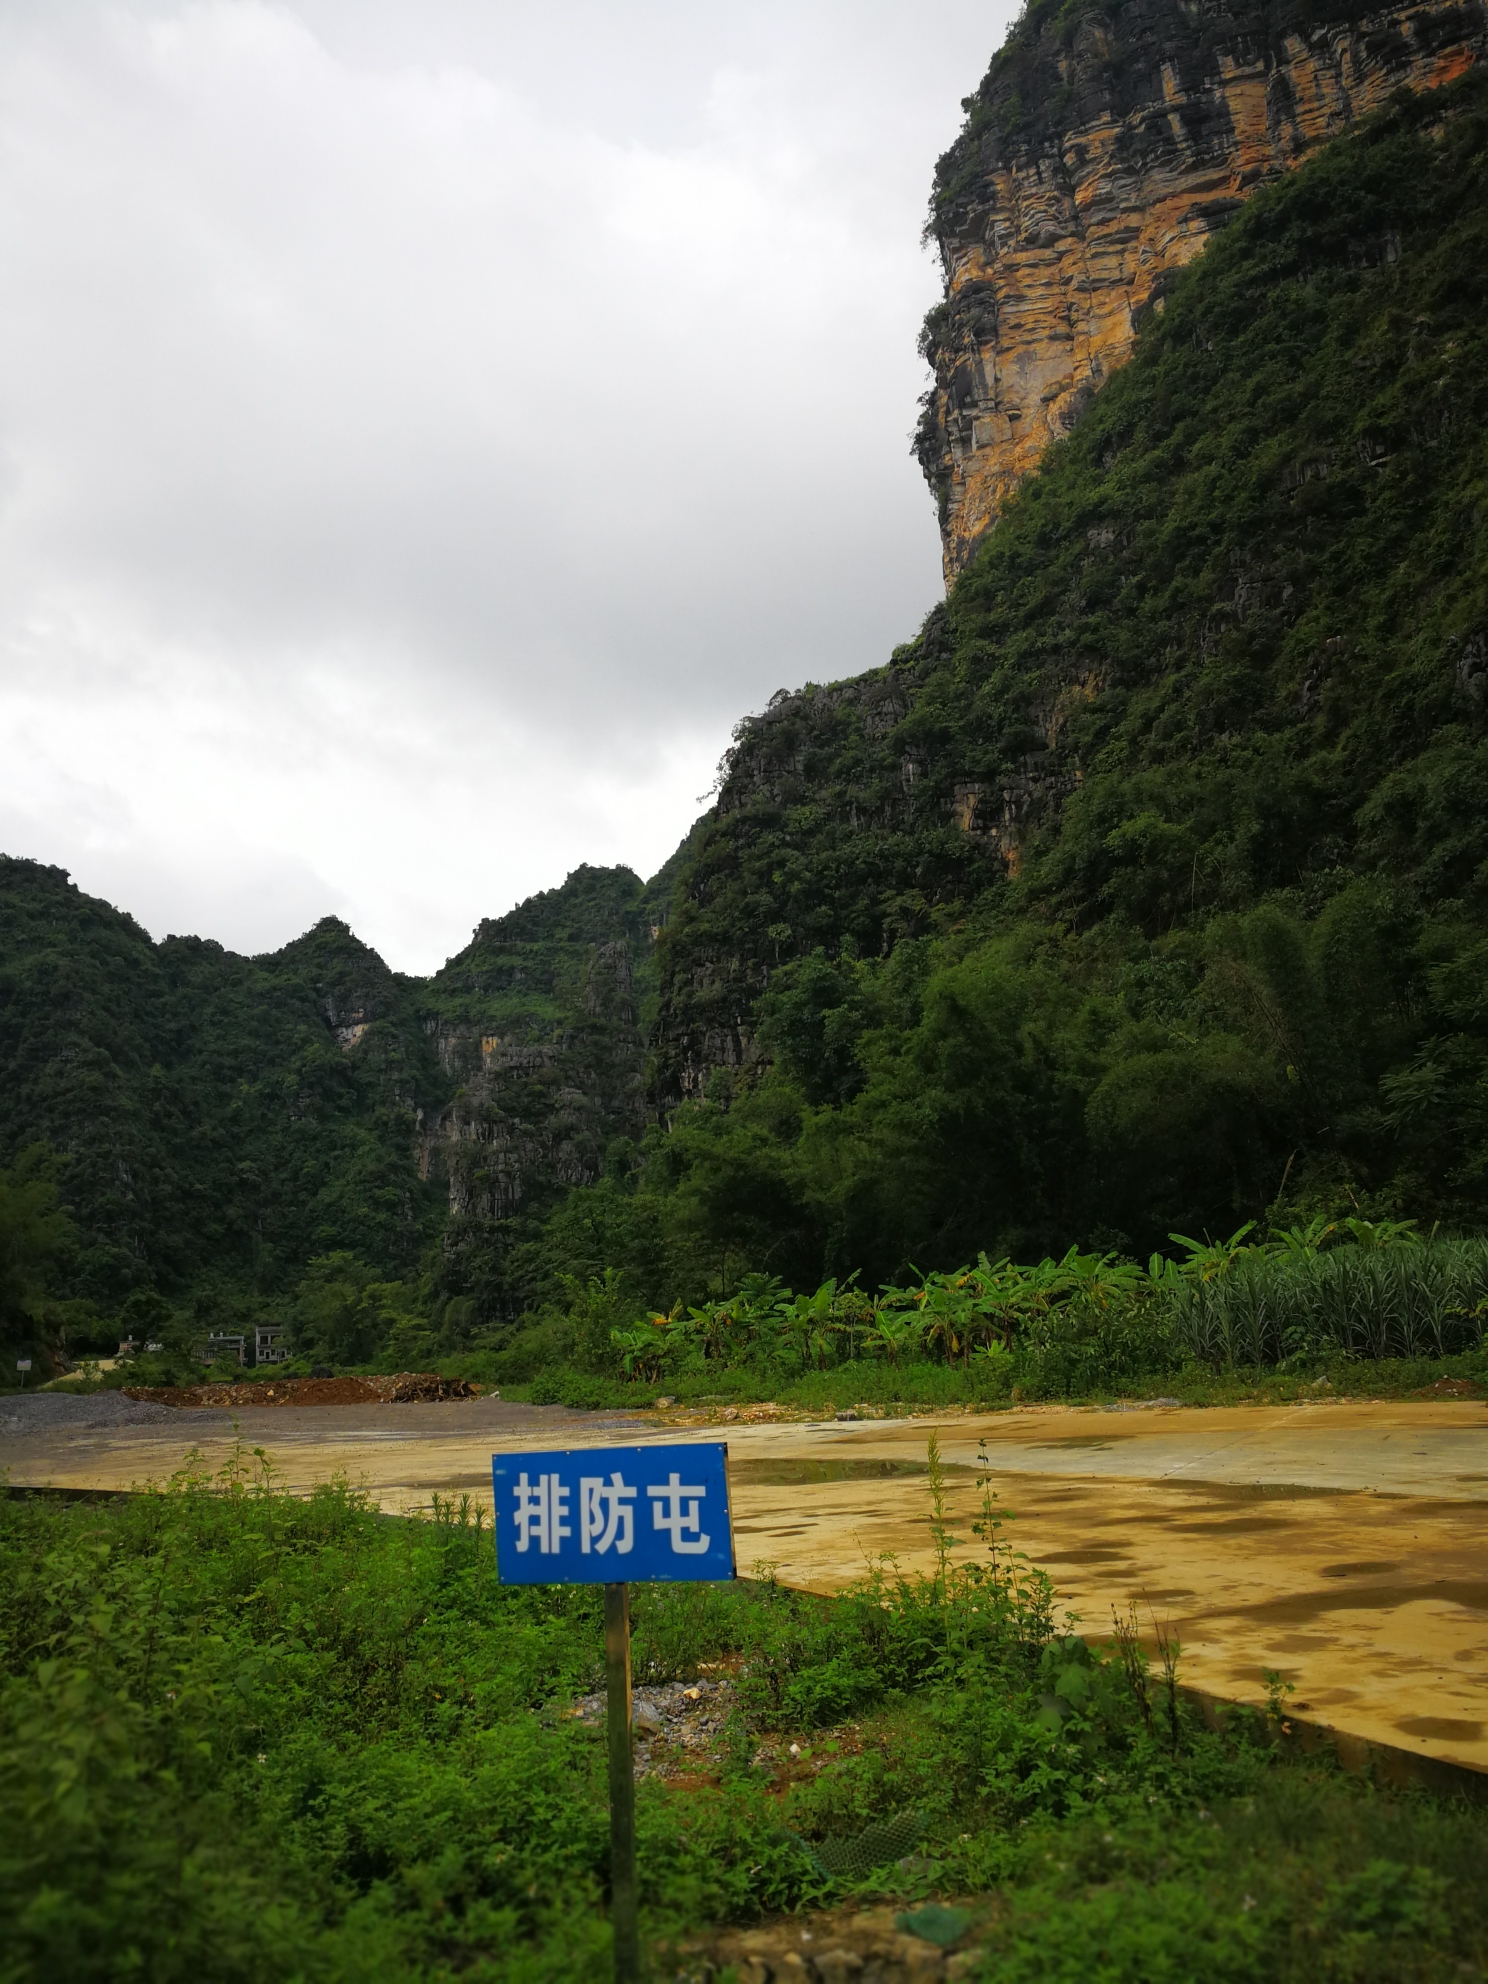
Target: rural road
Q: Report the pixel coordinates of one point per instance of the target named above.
(1343, 1544)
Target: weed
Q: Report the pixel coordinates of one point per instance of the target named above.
(257, 1738)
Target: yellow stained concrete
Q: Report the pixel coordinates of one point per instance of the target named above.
(1344, 1545)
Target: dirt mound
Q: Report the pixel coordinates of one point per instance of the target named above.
(403, 1388)
(1452, 1388)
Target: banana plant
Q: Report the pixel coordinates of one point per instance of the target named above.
(1384, 1232)
(642, 1352)
(853, 1310)
(750, 1311)
(1099, 1280)
(949, 1309)
(709, 1327)
(1302, 1242)
(1208, 1259)
(809, 1324)
(894, 1335)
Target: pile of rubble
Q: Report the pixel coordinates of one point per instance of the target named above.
(930, 1944)
(51, 1412)
(402, 1388)
(676, 1715)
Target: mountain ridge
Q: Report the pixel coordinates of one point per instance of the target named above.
(218, 1117)
(1144, 889)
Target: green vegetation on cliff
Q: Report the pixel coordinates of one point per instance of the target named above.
(1149, 885)
(223, 1129)
(1145, 891)
(209, 1130)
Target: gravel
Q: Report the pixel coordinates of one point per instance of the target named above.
(46, 1412)
(688, 1715)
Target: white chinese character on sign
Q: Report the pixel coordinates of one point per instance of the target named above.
(680, 1516)
(540, 1513)
(605, 1515)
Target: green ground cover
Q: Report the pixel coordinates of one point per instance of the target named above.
(250, 1737)
(1364, 1307)
(1347, 1304)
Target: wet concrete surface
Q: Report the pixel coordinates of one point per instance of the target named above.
(1343, 1545)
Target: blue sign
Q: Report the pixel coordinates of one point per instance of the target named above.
(613, 1515)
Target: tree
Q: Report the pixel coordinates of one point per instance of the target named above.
(343, 1313)
(35, 1237)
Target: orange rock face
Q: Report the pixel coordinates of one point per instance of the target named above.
(1098, 155)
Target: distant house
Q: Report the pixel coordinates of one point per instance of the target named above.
(270, 1343)
(224, 1343)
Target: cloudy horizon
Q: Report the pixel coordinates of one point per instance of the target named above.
(425, 430)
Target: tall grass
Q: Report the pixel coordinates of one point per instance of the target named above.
(1087, 1323)
(1425, 1300)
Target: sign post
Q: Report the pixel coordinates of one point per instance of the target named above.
(23, 1365)
(579, 1516)
(622, 1785)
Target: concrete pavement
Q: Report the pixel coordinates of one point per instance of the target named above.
(1343, 1544)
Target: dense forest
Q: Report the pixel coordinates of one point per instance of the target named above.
(193, 1136)
(1146, 890)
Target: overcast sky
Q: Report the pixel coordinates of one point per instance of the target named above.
(426, 426)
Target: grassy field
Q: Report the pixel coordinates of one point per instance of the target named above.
(918, 1386)
(926, 1387)
(254, 1738)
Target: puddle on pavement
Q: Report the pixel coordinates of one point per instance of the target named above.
(1358, 1570)
(1305, 1605)
(1096, 1441)
(1441, 1729)
(801, 1473)
(1096, 1554)
(1247, 1491)
(1229, 1526)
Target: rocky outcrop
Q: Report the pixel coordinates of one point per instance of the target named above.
(1100, 152)
(537, 1027)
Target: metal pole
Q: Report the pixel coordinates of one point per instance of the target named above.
(622, 1786)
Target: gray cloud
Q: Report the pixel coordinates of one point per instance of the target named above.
(426, 427)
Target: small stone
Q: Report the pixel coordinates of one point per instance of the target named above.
(692, 1694)
(848, 1414)
(731, 1412)
(663, 1403)
(838, 1966)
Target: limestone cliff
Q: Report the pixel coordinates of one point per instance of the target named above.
(538, 1028)
(536, 1103)
(1102, 148)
